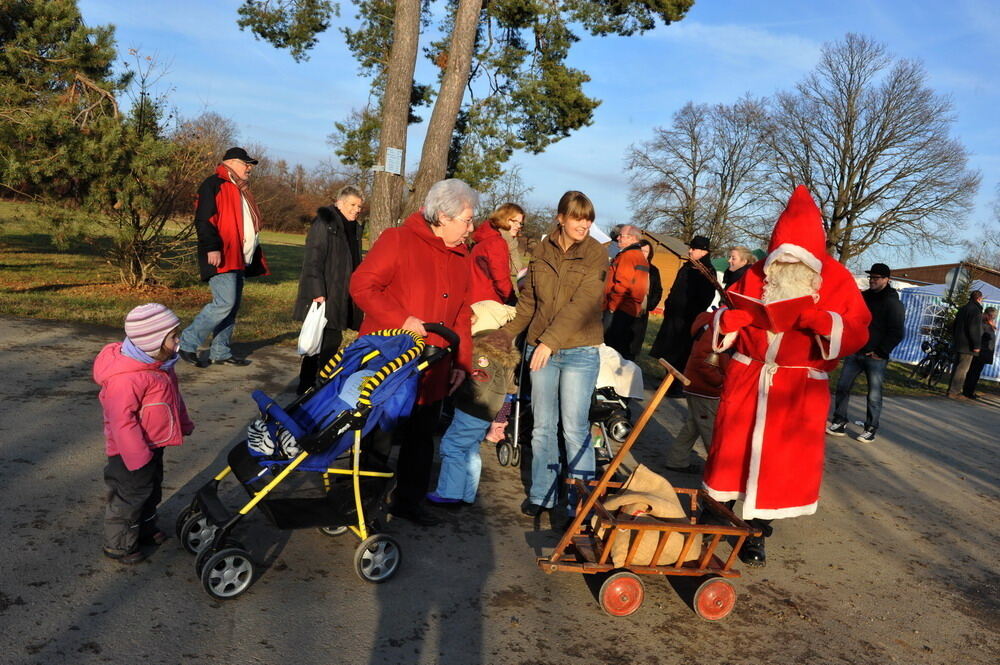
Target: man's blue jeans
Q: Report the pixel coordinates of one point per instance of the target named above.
(217, 318)
(563, 388)
(460, 461)
(874, 369)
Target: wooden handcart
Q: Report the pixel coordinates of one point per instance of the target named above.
(583, 549)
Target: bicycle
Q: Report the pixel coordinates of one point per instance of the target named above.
(936, 363)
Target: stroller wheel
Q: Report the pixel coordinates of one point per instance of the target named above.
(228, 573)
(504, 453)
(515, 456)
(333, 531)
(206, 553)
(196, 533)
(377, 558)
(183, 517)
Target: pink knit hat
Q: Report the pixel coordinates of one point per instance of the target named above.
(147, 326)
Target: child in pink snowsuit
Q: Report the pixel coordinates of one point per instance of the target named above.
(143, 413)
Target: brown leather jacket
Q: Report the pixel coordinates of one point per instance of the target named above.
(563, 297)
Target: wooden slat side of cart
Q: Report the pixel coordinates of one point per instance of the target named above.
(582, 550)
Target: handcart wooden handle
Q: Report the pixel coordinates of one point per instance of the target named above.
(609, 472)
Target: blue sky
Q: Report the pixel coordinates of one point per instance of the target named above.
(723, 49)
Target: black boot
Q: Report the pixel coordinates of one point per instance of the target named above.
(752, 552)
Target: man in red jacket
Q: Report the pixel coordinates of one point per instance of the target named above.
(228, 221)
(417, 273)
(625, 290)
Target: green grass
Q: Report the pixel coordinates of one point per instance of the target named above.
(39, 280)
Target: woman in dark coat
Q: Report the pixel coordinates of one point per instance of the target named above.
(985, 355)
(690, 295)
(332, 253)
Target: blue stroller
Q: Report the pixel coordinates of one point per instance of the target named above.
(371, 383)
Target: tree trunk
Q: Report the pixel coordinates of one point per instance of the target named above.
(434, 157)
(387, 190)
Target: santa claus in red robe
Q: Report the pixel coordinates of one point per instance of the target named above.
(767, 449)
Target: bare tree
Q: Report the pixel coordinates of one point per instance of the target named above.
(871, 142)
(701, 175)
(984, 249)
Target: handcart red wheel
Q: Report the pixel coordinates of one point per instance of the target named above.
(622, 594)
(714, 599)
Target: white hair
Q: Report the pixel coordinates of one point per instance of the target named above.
(790, 280)
(449, 197)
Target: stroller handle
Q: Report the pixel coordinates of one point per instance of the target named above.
(450, 335)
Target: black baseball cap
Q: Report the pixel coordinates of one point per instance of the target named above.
(240, 154)
(879, 270)
(699, 242)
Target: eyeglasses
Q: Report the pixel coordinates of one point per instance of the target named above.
(465, 222)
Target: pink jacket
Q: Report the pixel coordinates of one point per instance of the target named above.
(143, 407)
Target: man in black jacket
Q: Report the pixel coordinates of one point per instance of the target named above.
(966, 338)
(884, 333)
(690, 295)
(333, 251)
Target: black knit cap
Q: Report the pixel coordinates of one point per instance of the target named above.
(240, 154)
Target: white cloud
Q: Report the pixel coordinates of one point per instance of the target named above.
(745, 43)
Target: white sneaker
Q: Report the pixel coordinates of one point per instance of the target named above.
(837, 429)
(865, 437)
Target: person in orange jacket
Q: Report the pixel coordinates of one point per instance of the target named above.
(625, 291)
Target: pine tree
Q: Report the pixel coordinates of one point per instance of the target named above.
(59, 118)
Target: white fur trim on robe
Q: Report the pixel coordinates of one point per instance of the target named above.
(829, 346)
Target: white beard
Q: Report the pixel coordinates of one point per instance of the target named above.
(790, 280)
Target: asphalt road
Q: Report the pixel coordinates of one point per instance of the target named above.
(898, 565)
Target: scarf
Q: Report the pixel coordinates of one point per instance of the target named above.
(132, 351)
(244, 187)
(516, 263)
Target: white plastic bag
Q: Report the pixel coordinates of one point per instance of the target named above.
(311, 336)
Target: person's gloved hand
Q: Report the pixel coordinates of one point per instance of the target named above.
(732, 320)
(815, 320)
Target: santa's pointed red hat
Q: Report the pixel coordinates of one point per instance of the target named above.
(798, 234)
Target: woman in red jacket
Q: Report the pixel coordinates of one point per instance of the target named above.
(495, 258)
(416, 273)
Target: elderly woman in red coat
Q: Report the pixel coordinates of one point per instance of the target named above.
(416, 273)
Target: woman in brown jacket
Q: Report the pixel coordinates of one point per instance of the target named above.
(560, 306)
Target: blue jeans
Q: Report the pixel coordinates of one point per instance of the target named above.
(874, 369)
(217, 318)
(563, 388)
(460, 461)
